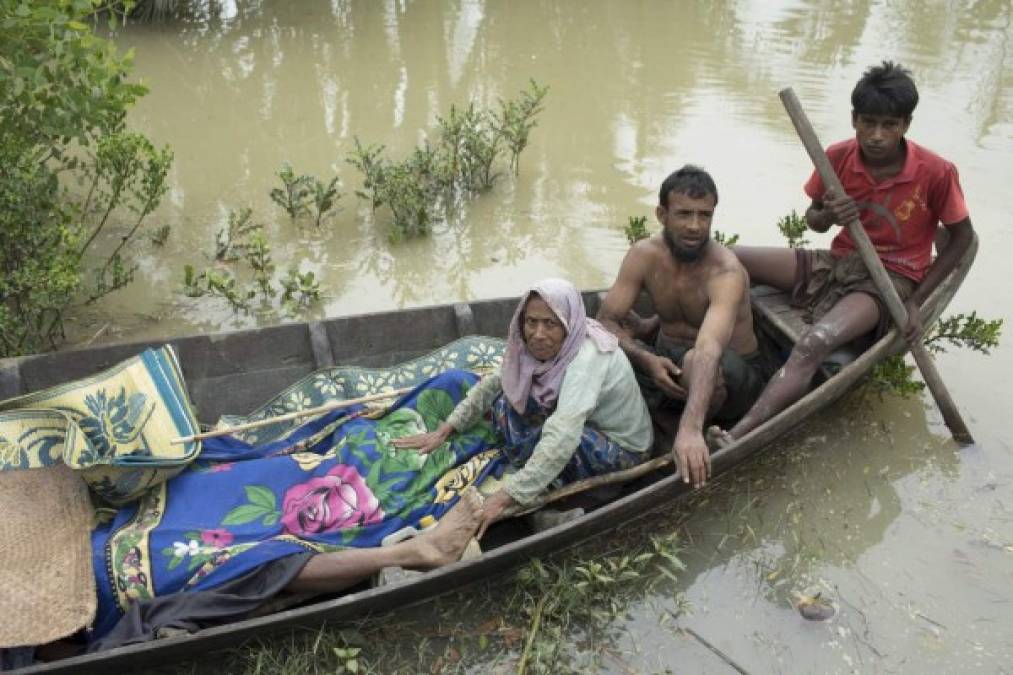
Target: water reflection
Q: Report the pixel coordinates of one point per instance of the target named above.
(238, 88)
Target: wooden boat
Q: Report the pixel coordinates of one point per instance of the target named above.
(230, 372)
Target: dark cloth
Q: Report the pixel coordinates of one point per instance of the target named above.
(822, 279)
(744, 377)
(192, 610)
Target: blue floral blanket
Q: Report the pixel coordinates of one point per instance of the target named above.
(331, 483)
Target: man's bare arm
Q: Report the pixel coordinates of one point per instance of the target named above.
(620, 298)
(725, 291)
(617, 304)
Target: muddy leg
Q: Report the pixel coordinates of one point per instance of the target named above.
(854, 315)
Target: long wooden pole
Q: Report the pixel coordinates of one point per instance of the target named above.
(309, 412)
(898, 313)
(623, 476)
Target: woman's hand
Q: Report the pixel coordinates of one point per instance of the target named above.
(493, 510)
(426, 442)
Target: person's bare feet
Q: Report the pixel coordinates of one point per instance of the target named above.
(718, 438)
(445, 543)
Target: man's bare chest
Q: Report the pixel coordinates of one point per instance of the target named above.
(678, 297)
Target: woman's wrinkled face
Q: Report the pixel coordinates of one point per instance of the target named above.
(543, 331)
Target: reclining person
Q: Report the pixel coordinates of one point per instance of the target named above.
(565, 400)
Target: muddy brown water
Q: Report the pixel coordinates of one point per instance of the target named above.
(913, 536)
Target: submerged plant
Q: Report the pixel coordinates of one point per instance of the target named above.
(231, 241)
(298, 290)
(370, 161)
(725, 239)
(794, 227)
(636, 229)
(258, 256)
(159, 236)
(324, 197)
(517, 118)
(969, 331)
(461, 164)
(295, 194)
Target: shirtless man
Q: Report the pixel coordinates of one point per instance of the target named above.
(700, 292)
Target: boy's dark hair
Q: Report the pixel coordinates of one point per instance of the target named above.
(885, 90)
(689, 180)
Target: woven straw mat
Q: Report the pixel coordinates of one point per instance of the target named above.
(47, 587)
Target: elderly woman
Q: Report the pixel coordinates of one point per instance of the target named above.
(565, 400)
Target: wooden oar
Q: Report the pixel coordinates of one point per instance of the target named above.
(309, 412)
(623, 476)
(898, 313)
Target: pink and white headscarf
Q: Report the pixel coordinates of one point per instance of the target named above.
(522, 374)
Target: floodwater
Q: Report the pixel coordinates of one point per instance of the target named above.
(912, 536)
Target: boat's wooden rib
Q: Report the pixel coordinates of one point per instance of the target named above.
(283, 354)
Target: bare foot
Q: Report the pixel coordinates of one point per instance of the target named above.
(445, 543)
(718, 438)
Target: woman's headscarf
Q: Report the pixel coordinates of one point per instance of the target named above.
(522, 374)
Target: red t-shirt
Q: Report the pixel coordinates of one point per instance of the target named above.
(901, 213)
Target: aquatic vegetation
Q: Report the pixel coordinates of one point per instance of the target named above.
(516, 119)
(324, 198)
(969, 331)
(244, 241)
(636, 229)
(231, 241)
(725, 239)
(463, 163)
(556, 615)
(160, 235)
(299, 290)
(65, 97)
(794, 227)
(295, 194)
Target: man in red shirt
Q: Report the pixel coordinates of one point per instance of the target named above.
(900, 191)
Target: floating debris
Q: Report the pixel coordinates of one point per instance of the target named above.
(814, 605)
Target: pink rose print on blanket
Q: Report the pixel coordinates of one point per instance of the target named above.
(335, 501)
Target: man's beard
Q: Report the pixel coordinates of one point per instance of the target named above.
(681, 253)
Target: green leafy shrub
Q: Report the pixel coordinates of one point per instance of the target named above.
(463, 163)
(725, 239)
(69, 170)
(295, 193)
(794, 228)
(636, 229)
(969, 331)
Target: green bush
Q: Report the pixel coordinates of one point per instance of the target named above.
(68, 167)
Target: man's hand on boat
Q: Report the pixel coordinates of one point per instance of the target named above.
(665, 375)
(427, 442)
(492, 510)
(692, 457)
